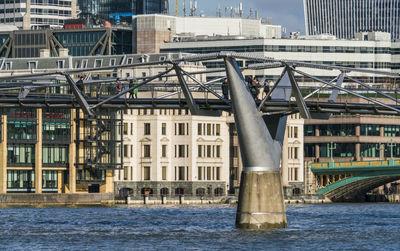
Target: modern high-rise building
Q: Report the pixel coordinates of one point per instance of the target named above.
(344, 18)
(36, 14)
(121, 9)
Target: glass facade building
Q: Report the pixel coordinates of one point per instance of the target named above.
(344, 18)
(103, 9)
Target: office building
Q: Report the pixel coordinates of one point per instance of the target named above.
(74, 42)
(151, 31)
(377, 52)
(37, 14)
(121, 10)
(344, 18)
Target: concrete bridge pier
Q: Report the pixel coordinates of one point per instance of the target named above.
(261, 202)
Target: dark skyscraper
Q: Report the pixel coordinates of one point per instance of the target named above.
(120, 9)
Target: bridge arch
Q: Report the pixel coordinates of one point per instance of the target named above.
(354, 188)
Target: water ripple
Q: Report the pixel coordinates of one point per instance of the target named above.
(311, 227)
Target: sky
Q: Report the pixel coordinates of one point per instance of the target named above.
(288, 13)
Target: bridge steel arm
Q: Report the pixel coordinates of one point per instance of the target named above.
(193, 107)
(261, 203)
(78, 95)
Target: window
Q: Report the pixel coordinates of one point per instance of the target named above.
(208, 129)
(129, 61)
(60, 64)
(295, 134)
(8, 66)
(218, 130)
(209, 173)
(55, 154)
(218, 152)
(369, 130)
(208, 151)
(146, 151)
(146, 173)
(125, 128)
(20, 154)
(146, 128)
(181, 151)
(19, 179)
(163, 129)
(112, 61)
(164, 173)
(181, 173)
(125, 150)
(49, 180)
(125, 173)
(199, 173)
(200, 151)
(218, 173)
(84, 63)
(98, 63)
(164, 151)
(199, 129)
(181, 129)
(32, 65)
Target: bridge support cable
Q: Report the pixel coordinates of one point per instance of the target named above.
(204, 86)
(261, 204)
(131, 89)
(319, 89)
(190, 88)
(193, 107)
(268, 95)
(303, 110)
(370, 88)
(78, 95)
(348, 91)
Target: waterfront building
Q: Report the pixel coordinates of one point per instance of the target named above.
(344, 18)
(349, 138)
(57, 150)
(64, 42)
(37, 14)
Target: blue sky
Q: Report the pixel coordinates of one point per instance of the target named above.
(288, 13)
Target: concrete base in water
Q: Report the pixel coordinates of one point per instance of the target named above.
(261, 203)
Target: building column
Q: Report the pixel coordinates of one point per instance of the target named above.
(60, 181)
(3, 155)
(358, 130)
(109, 181)
(358, 152)
(38, 152)
(72, 154)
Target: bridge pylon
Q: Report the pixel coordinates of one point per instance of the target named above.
(261, 202)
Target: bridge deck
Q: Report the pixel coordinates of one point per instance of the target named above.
(353, 166)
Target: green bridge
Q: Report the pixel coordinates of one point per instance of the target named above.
(351, 180)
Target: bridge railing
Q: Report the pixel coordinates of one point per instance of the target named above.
(353, 165)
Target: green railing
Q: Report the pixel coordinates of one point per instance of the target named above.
(353, 166)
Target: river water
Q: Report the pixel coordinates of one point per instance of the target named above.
(310, 227)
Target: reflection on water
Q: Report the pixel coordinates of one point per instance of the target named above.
(310, 227)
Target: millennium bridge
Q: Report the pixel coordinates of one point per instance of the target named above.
(260, 123)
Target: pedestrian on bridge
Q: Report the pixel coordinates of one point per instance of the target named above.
(132, 83)
(225, 88)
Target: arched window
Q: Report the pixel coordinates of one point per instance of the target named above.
(200, 191)
(164, 191)
(218, 191)
(179, 191)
